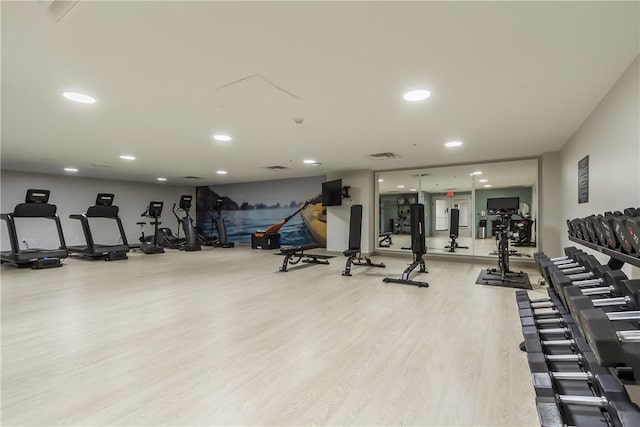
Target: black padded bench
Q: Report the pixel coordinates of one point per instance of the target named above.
(385, 239)
(295, 254)
(353, 254)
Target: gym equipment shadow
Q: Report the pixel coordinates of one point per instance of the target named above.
(521, 281)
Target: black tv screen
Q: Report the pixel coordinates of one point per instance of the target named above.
(332, 193)
(503, 205)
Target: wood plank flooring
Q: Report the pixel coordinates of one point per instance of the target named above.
(220, 337)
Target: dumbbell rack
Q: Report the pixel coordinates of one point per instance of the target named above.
(618, 259)
(572, 386)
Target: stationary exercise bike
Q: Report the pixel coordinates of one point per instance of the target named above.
(150, 245)
(503, 273)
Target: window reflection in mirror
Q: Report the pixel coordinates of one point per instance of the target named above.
(457, 195)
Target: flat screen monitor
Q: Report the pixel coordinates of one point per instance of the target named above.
(332, 193)
(503, 205)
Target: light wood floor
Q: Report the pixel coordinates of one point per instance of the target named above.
(221, 338)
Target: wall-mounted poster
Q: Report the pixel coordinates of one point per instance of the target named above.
(255, 206)
(583, 180)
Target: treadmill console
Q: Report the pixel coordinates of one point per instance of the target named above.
(104, 199)
(37, 196)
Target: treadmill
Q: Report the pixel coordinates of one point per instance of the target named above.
(103, 208)
(35, 206)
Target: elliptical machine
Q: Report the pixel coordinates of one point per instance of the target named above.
(191, 241)
(150, 245)
(217, 222)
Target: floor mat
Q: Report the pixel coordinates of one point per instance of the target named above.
(520, 281)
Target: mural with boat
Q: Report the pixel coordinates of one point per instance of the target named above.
(293, 205)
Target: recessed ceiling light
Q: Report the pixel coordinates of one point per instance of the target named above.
(161, 179)
(413, 189)
(221, 172)
(476, 173)
(483, 180)
(128, 157)
(315, 164)
(487, 185)
(417, 95)
(79, 97)
(380, 180)
(452, 144)
(400, 186)
(71, 170)
(221, 137)
(309, 162)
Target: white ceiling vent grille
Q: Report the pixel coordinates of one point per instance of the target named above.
(383, 156)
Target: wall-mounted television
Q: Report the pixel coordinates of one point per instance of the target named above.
(332, 193)
(503, 205)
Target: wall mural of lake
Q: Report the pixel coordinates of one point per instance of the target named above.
(255, 206)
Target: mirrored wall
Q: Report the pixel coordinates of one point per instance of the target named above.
(456, 200)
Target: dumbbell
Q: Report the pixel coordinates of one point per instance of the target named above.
(613, 280)
(620, 227)
(556, 276)
(610, 279)
(574, 228)
(601, 380)
(630, 300)
(611, 347)
(568, 252)
(632, 230)
(621, 413)
(607, 222)
(583, 263)
(590, 271)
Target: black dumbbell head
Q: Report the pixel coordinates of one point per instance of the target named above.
(601, 336)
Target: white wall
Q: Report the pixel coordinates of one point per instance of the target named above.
(610, 136)
(73, 194)
(550, 218)
(362, 193)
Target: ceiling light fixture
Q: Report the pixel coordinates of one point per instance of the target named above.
(487, 185)
(417, 95)
(70, 170)
(128, 157)
(79, 97)
(483, 180)
(452, 144)
(161, 179)
(413, 189)
(400, 186)
(309, 162)
(476, 173)
(221, 137)
(221, 172)
(380, 180)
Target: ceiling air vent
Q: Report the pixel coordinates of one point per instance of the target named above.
(383, 156)
(99, 165)
(192, 177)
(277, 168)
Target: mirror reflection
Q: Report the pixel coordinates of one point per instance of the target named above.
(456, 198)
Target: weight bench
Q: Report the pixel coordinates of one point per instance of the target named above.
(295, 254)
(353, 254)
(385, 239)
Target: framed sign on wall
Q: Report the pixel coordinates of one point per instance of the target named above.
(583, 180)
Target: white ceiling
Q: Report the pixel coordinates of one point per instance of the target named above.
(510, 79)
(520, 173)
